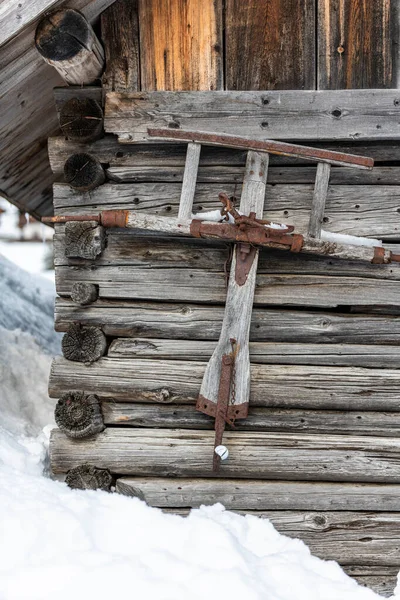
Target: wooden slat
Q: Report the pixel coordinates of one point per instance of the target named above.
(181, 44)
(280, 115)
(252, 455)
(354, 355)
(357, 42)
(355, 210)
(242, 494)
(259, 419)
(189, 181)
(197, 322)
(288, 386)
(319, 200)
(381, 580)
(270, 45)
(120, 36)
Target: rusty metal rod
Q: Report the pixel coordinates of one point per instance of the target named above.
(271, 146)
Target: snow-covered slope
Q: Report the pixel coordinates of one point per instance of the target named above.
(63, 544)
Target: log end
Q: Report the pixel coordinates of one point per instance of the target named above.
(89, 477)
(84, 239)
(83, 172)
(83, 344)
(81, 119)
(62, 34)
(84, 293)
(79, 416)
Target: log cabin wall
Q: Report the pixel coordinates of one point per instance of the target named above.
(319, 452)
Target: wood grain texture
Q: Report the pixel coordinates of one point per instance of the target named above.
(120, 36)
(181, 44)
(357, 44)
(196, 322)
(355, 210)
(381, 580)
(259, 419)
(270, 45)
(181, 453)
(280, 115)
(319, 200)
(189, 181)
(355, 355)
(242, 494)
(178, 382)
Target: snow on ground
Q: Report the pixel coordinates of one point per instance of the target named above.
(59, 543)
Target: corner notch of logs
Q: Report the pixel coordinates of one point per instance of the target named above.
(78, 415)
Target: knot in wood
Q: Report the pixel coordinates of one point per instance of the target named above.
(78, 415)
(83, 344)
(89, 477)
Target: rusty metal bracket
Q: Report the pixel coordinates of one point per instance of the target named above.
(245, 255)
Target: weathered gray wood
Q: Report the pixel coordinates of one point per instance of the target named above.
(166, 157)
(354, 355)
(259, 419)
(356, 210)
(381, 580)
(242, 494)
(239, 297)
(88, 477)
(83, 344)
(183, 285)
(251, 455)
(84, 239)
(197, 322)
(189, 181)
(64, 94)
(84, 293)
(67, 42)
(178, 382)
(284, 115)
(79, 416)
(83, 172)
(319, 200)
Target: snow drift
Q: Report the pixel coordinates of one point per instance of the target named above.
(59, 543)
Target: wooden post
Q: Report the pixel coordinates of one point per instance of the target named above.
(83, 172)
(78, 415)
(81, 120)
(89, 477)
(84, 344)
(319, 200)
(189, 180)
(67, 42)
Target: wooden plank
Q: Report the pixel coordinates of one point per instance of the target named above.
(178, 382)
(164, 157)
(246, 494)
(270, 45)
(319, 200)
(381, 580)
(281, 115)
(120, 35)
(181, 44)
(357, 43)
(251, 455)
(15, 16)
(197, 322)
(204, 286)
(355, 355)
(189, 181)
(355, 210)
(259, 419)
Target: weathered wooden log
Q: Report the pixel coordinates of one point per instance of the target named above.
(84, 239)
(84, 293)
(178, 382)
(174, 453)
(84, 172)
(247, 494)
(78, 415)
(351, 422)
(67, 41)
(83, 344)
(81, 119)
(89, 477)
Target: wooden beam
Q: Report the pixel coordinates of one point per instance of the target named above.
(319, 200)
(189, 181)
(369, 423)
(281, 115)
(251, 455)
(178, 382)
(66, 40)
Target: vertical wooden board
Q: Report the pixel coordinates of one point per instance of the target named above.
(357, 41)
(120, 36)
(270, 44)
(181, 44)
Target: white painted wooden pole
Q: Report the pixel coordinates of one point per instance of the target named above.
(67, 41)
(189, 180)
